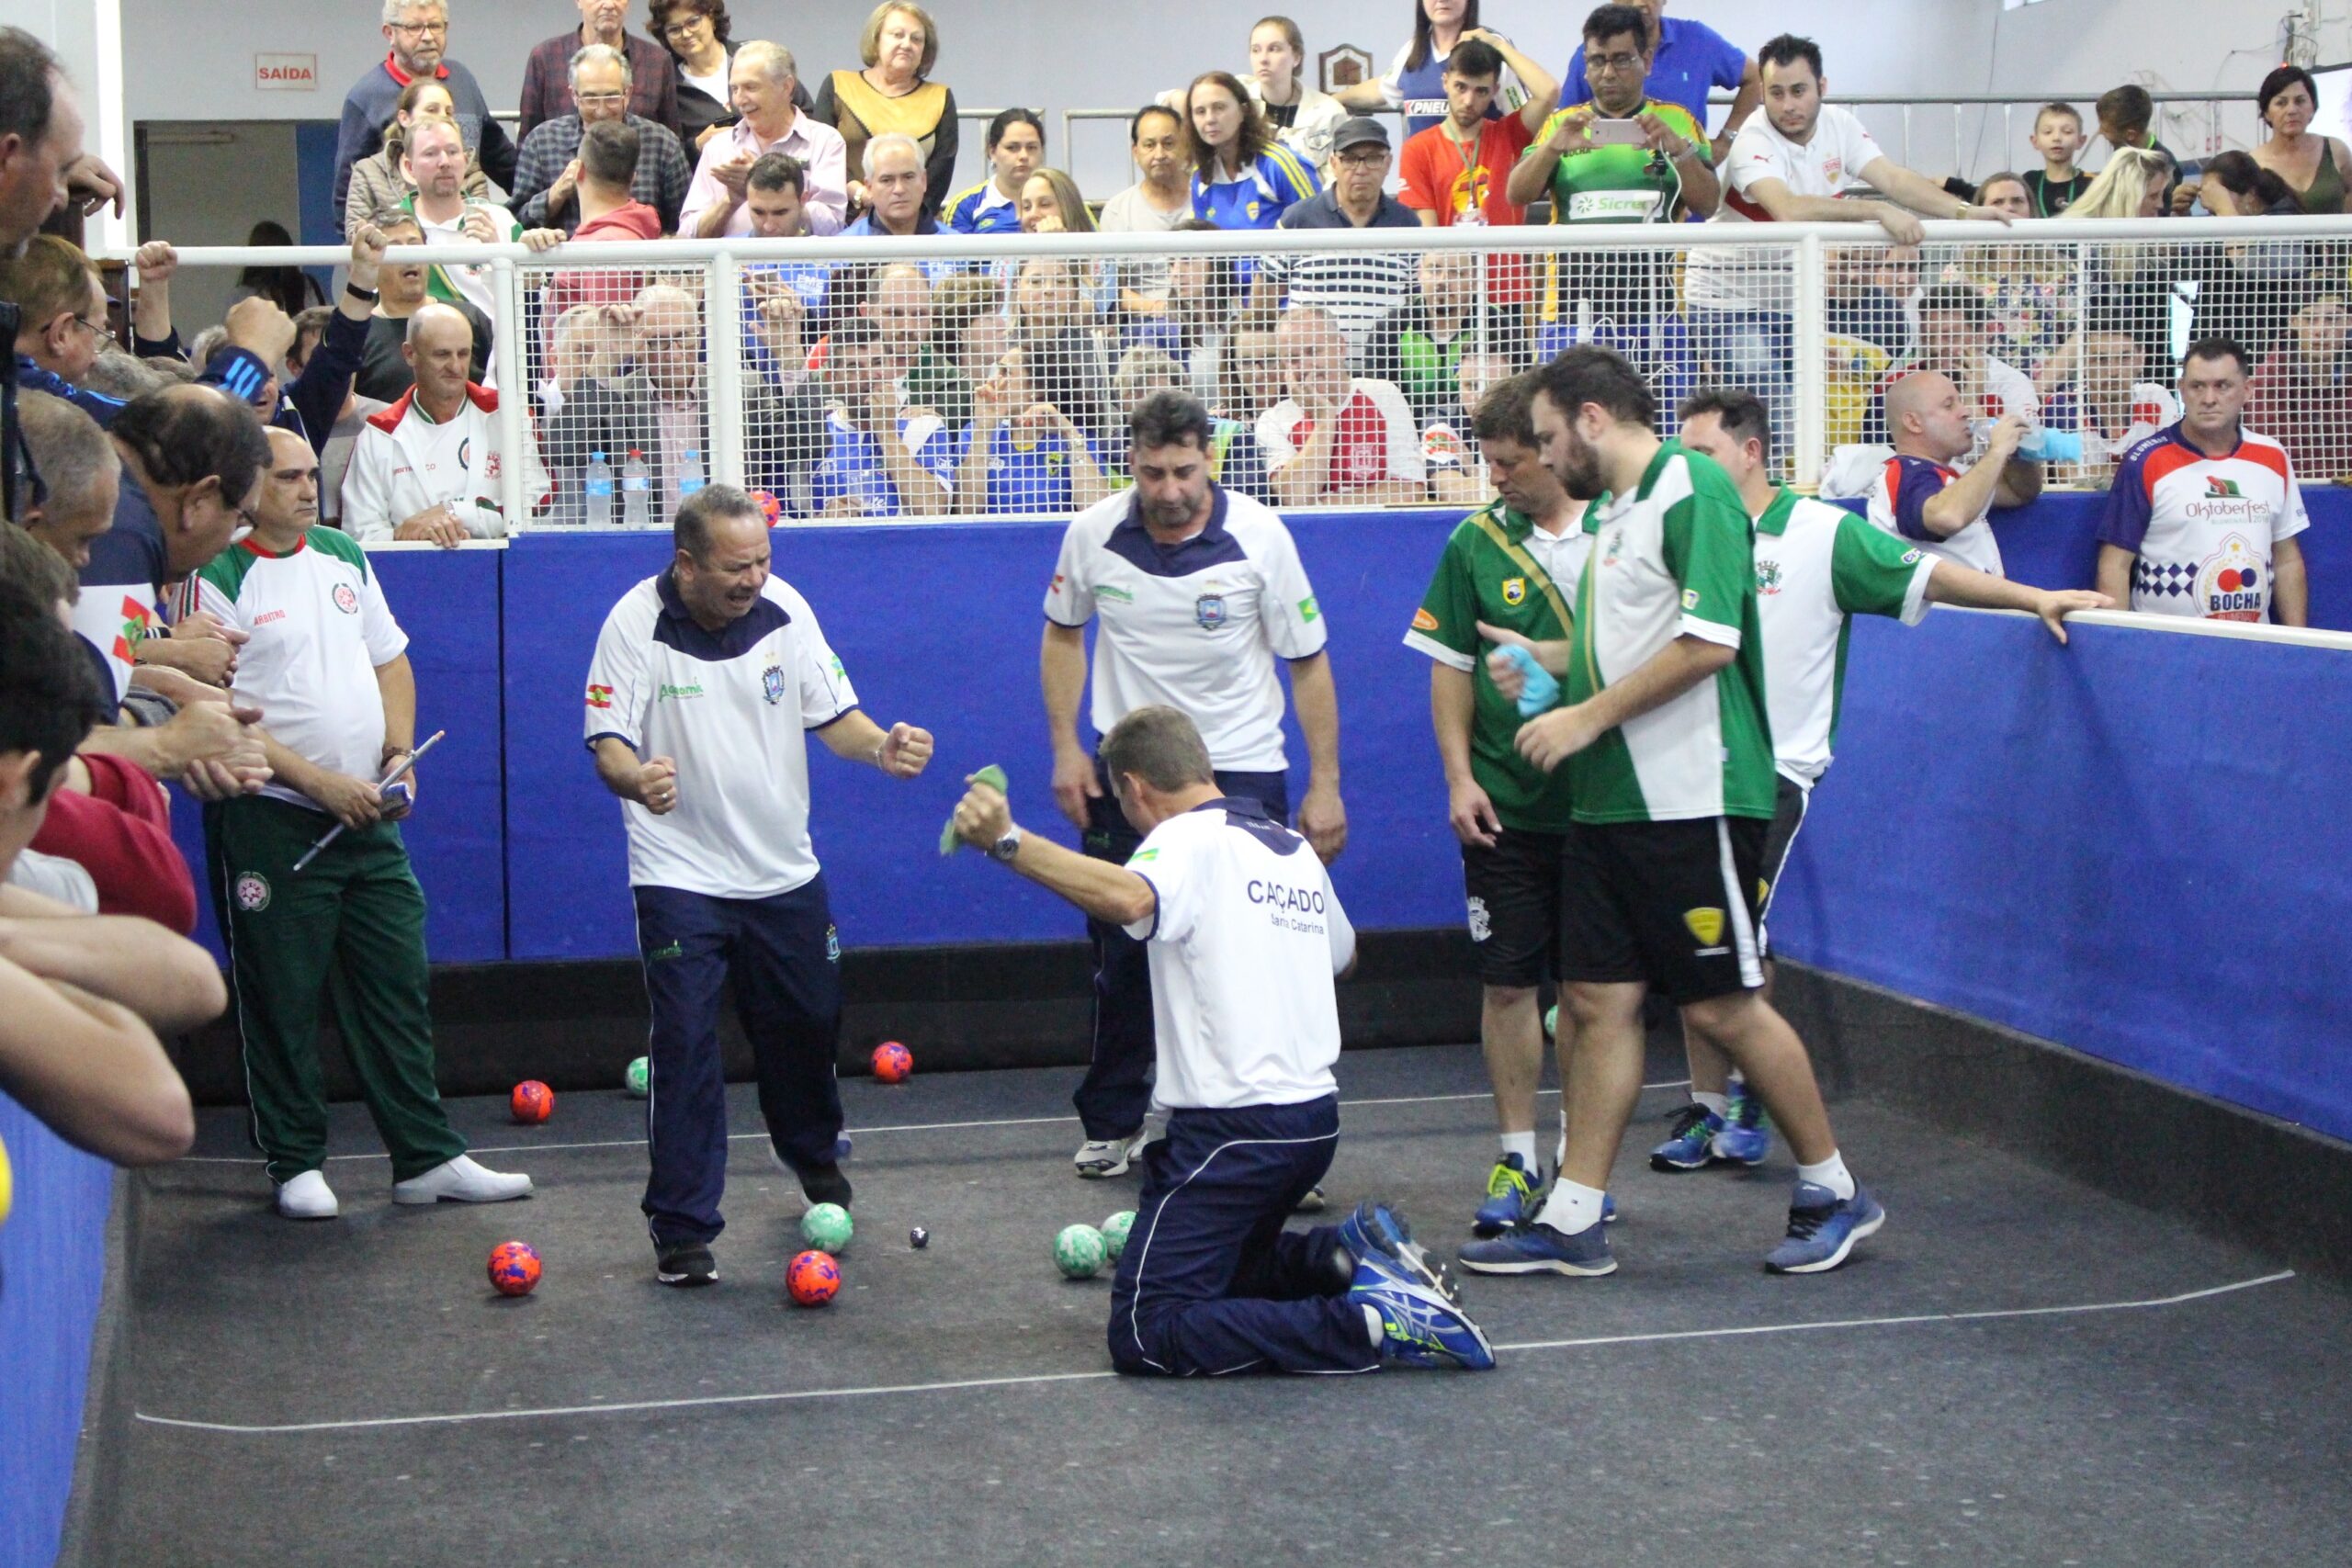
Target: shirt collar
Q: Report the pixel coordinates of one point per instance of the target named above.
(392, 64)
(1774, 518)
(1133, 522)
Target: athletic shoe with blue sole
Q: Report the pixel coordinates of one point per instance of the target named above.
(1419, 1326)
(1692, 1143)
(1537, 1248)
(1511, 1195)
(1745, 1139)
(1376, 1236)
(1823, 1229)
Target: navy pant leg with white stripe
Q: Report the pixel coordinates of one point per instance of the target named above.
(1116, 1091)
(780, 957)
(1210, 1281)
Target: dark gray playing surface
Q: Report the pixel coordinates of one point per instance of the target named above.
(954, 1404)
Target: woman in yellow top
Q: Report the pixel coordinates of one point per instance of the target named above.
(894, 92)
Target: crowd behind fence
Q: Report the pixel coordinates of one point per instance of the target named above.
(896, 379)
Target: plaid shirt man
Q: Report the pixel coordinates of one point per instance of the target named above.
(662, 171)
(547, 83)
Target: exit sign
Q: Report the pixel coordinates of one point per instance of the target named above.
(286, 73)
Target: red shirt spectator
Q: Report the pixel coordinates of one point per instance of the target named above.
(121, 832)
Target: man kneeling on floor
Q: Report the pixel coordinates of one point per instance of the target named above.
(1245, 935)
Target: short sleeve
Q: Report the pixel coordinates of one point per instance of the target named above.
(1166, 860)
(1574, 88)
(825, 690)
(1337, 926)
(2124, 521)
(386, 641)
(213, 601)
(2293, 518)
(1446, 625)
(1403, 435)
(1286, 606)
(1710, 553)
(1069, 598)
(1862, 148)
(1274, 428)
(618, 694)
(1872, 572)
(1909, 483)
(1753, 157)
(1416, 185)
(1727, 62)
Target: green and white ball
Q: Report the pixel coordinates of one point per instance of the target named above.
(1079, 1251)
(826, 1228)
(638, 1079)
(1552, 1022)
(1115, 1234)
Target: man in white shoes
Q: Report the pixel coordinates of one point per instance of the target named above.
(329, 666)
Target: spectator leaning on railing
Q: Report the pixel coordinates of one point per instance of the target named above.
(429, 467)
(1031, 446)
(880, 461)
(763, 80)
(547, 76)
(546, 172)
(1337, 440)
(418, 32)
(895, 93)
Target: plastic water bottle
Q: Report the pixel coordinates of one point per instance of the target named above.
(597, 486)
(690, 475)
(637, 492)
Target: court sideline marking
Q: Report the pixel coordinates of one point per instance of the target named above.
(861, 1132)
(705, 1401)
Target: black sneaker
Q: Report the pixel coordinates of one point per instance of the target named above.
(684, 1264)
(825, 1184)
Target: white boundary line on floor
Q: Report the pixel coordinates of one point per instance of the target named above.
(705, 1401)
(861, 1132)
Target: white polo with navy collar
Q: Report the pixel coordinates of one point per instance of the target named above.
(1196, 626)
(732, 708)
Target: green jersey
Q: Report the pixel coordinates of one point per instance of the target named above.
(1673, 560)
(1619, 185)
(1499, 568)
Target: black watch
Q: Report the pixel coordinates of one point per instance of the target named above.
(366, 296)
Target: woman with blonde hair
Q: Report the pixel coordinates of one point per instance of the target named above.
(376, 183)
(1050, 204)
(2131, 186)
(894, 92)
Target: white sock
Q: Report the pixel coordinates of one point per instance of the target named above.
(1372, 1325)
(1571, 1208)
(1560, 1156)
(1523, 1145)
(1718, 1103)
(1830, 1173)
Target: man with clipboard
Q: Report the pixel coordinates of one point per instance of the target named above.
(328, 665)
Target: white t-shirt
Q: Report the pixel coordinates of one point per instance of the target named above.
(1244, 943)
(732, 708)
(319, 629)
(1759, 278)
(405, 462)
(1377, 439)
(1196, 627)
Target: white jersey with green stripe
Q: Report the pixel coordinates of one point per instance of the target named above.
(1672, 559)
(1817, 567)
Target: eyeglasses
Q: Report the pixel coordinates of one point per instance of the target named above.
(1364, 160)
(600, 97)
(419, 29)
(1614, 62)
(98, 330)
(684, 25)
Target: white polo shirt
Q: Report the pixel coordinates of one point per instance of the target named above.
(1243, 946)
(731, 709)
(406, 461)
(318, 629)
(1196, 626)
(1761, 277)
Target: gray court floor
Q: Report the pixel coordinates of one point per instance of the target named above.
(2017, 1369)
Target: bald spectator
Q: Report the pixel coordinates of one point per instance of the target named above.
(1337, 441)
(548, 170)
(549, 87)
(1919, 493)
(418, 32)
(762, 80)
(429, 467)
(898, 186)
(405, 288)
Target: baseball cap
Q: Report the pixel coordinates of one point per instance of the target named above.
(1357, 130)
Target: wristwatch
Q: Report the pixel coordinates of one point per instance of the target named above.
(365, 295)
(1004, 849)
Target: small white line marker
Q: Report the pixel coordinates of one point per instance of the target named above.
(470, 1417)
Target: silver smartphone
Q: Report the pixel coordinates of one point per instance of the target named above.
(1617, 134)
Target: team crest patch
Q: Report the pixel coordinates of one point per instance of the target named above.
(1768, 576)
(772, 683)
(2229, 583)
(252, 891)
(346, 600)
(490, 467)
(1208, 611)
(832, 945)
(1514, 591)
(1707, 925)
(1481, 925)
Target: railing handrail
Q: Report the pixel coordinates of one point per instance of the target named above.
(1883, 101)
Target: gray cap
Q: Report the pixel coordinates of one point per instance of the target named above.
(1356, 130)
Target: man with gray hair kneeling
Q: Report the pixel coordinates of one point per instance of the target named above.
(1246, 936)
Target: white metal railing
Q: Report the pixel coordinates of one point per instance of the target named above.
(1824, 371)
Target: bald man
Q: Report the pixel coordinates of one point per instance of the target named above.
(1918, 494)
(428, 467)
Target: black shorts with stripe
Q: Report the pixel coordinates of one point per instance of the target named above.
(1789, 800)
(1672, 905)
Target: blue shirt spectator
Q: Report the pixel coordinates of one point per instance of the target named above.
(1688, 59)
(858, 478)
(1242, 178)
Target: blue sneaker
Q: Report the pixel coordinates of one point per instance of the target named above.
(1693, 1144)
(1609, 1208)
(1745, 1140)
(1377, 1237)
(1419, 1326)
(1823, 1229)
(1535, 1248)
(1510, 1197)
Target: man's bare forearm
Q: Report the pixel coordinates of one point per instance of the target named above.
(1316, 696)
(1061, 672)
(166, 979)
(1109, 893)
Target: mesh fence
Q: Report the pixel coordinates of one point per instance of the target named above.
(995, 380)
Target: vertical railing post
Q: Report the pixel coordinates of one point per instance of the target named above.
(513, 391)
(724, 292)
(1810, 384)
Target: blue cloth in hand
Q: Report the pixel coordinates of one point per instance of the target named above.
(1542, 691)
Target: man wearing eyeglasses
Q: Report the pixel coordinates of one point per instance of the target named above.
(418, 32)
(547, 173)
(548, 88)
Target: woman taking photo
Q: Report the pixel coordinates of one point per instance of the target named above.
(1242, 178)
(894, 92)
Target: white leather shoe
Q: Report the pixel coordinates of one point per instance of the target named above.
(460, 1180)
(308, 1197)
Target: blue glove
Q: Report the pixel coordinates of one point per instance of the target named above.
(1542, 691)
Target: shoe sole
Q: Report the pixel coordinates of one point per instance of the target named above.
(1660, 1162)
(420, 1201)
(1545, 1266)
(1868, 1227)
(324, 1214)
(688, 1281)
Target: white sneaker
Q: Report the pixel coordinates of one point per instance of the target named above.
(460, 1180)
(1099, 1158)
(308, 1197)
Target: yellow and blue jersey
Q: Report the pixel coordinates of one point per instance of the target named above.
(1275, 181)
(984, 209)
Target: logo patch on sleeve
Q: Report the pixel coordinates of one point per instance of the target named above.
(1423, 621)
(600, 697)
(1690, 598)
(1308, 609)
